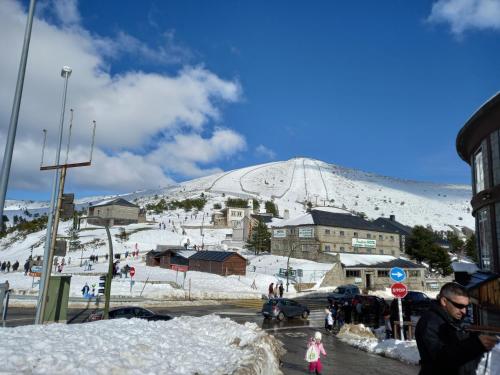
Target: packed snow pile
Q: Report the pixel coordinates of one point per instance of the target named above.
(356, 330)
(184, 345)
(361, 337)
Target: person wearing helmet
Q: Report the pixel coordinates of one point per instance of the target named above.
(313, 355)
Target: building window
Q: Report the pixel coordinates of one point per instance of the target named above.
(327, 231)
(393, 252)
(380, 237)
(479, 171)
(327, 248)
(383, 273)
(369, 251)
(368, 235)
(484, 234)
(342, 248)
(392, 238)
(355, 234)
(413, 273)
(352, 273)
(341, 233)
(381, 252)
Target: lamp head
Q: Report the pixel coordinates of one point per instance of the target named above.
(66, 71)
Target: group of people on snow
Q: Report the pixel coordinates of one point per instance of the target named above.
(335, 316)
(275, 290)
(6, 265)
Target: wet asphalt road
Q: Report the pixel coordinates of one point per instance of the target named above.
(341, 358)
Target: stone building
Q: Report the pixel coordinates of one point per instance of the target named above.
(116, 211)
(371, 272)
(319, 233)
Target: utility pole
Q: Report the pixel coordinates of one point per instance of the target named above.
(56, 201)
(11, 137)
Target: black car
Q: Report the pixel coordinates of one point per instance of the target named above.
(281, 308)
(415, 303)
(342, 294)
(129, 312)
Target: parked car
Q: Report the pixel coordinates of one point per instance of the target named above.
(343, 293)
(281, 308)
(415, 303)
(128, 312)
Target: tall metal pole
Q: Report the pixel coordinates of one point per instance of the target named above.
(11, 137)
(109, 279)
(47, 263)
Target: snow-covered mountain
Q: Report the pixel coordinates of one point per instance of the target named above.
(293, 183)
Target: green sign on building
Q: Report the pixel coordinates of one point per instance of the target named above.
(362, 242)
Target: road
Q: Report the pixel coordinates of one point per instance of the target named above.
(341, 358)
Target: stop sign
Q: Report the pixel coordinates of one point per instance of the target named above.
(132, 271)
(399, 290)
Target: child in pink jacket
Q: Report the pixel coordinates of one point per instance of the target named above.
(316, 366)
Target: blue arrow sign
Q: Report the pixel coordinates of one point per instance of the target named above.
(397, 274)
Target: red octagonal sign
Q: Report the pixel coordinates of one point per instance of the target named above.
(399, 290)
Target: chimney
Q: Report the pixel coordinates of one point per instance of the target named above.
(286, 214)
(392, 217)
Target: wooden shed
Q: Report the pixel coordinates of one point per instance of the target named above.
(164, 256)
(219, 262)
(484, 290)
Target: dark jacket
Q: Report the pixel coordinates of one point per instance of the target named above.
(445, 347)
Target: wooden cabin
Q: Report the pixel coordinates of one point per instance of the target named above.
(219, 262)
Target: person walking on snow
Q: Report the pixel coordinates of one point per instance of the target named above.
(271, 291)
(328, 320)
(313, 355)
(85, 289)
(280, 289)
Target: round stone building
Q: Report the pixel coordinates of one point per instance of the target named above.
(478, 144)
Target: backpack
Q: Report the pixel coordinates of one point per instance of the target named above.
(312, 354)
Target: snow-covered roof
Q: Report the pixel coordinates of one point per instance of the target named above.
(117, 201)
(334, 219)
(373, 260)
(300, 220)
(470, 268)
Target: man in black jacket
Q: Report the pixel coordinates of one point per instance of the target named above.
(445, 347)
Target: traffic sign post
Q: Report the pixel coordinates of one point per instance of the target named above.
(132, 271)
(397, 274)
(399, 291)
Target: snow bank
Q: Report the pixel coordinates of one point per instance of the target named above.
(185, 345)
(361, 337)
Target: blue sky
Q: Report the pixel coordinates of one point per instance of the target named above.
(378, 86)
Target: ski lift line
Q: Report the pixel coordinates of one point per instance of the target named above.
(43, 145)
(305, 177)
(69, 134)
(322, 179)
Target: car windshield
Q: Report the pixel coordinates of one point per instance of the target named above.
(339, 290)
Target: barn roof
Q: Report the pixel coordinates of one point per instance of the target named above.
(115, 201)
(216, 256)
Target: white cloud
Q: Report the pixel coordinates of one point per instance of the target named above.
(467, 14)
(133, 109)
(262, 150)
(186, 151)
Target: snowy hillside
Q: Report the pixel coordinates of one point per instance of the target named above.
(294, 182)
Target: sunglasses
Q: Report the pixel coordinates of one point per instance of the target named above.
(457, 305)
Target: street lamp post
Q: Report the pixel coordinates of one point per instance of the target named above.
(11, 137)
(51, 225)
(292, 249)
